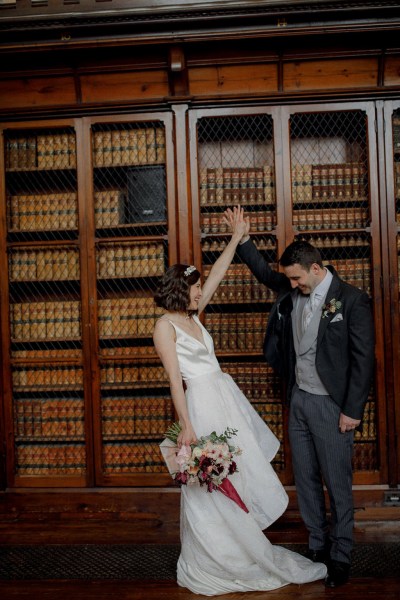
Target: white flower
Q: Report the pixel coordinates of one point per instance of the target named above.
(197, 452)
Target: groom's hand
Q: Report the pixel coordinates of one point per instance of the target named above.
(347, 423)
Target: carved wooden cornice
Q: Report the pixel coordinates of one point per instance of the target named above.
(84, 23)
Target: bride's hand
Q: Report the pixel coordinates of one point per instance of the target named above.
(187, 436)
(236, 221)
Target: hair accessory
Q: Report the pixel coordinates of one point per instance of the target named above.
(189, 271)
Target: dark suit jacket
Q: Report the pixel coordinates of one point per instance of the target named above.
(345, 348)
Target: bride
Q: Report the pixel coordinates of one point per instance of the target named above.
(224, 548)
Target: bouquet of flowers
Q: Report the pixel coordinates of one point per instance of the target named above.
(208, 462)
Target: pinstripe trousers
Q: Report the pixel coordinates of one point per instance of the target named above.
(321, 454)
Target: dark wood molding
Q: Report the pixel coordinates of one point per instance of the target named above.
(82, 25)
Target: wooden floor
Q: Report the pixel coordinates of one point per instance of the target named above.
(94, 531)
(362, 589)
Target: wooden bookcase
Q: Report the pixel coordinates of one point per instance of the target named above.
(121, 144)
(86, 223)
(305, 173)
(90, 222)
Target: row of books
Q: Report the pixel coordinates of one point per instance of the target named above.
(43, 212)
(240, 285)
(127, 317)
(232, 186)
(215, 245)
(140, 259)
(339, 241)
(331, 218)
(150, 375)
(49, 264)
(119, 147)
(45, 320)
(125, 457)
(237, 332)
(356, 271)
(54, 353)
(50, 459)
(45, 417)
(136, 416)
(50, 375)
(368, 431)
(365, 456)
(329, 183)
(133, 457)
(132, 351)
(259, 221)
(42, 151)
(251, 374)
(109, 208)
(272, 415)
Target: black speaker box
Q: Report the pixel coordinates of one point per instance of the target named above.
(146, 195)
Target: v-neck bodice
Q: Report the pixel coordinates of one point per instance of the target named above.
(195, 357)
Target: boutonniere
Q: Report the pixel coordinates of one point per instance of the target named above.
(331, 307)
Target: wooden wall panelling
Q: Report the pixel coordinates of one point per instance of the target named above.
(391, 290)
(340, 73)
(392, 69)
(224, 80)
(139, 86)
(37, 92)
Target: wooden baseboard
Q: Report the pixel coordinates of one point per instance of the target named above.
(143, 515)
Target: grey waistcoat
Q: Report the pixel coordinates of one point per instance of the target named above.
(305, 345)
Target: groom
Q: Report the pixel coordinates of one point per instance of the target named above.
(320, 337)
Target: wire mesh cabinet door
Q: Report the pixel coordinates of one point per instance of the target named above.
(233, 156)
(44, 389)
(331, 178)
(132, 200)
(305, 173)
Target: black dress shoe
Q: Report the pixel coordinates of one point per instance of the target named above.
(338, 573)
(321, 556)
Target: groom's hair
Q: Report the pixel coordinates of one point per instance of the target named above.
(301, 253)
(173, 291)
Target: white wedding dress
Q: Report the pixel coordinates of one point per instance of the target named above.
(224, 548)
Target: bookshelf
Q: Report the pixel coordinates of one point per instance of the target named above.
(333, 207)
(131, 251)
(299, 174)
(236, 165)
(46, 407)
(86, 397)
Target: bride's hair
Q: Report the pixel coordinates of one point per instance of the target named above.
(173, 292)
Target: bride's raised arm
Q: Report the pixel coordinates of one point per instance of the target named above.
(240, 228)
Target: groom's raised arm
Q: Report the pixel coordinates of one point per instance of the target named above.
(260, 268)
